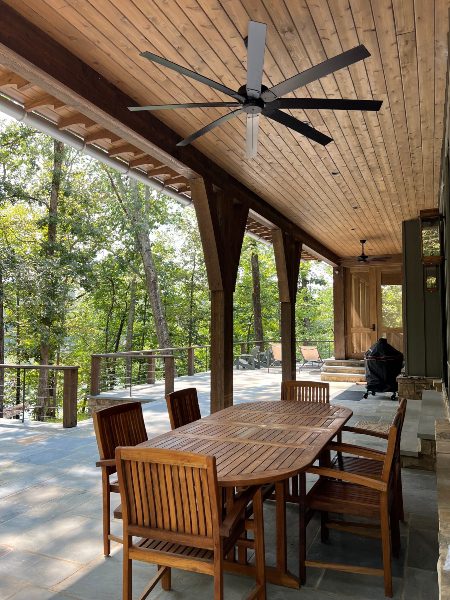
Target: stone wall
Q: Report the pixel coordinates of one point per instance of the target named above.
(443, 490)
(412, 387)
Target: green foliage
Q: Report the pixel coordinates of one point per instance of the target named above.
(89, 267)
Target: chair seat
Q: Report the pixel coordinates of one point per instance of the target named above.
(344, 498)
(175, 549)
(358, 465)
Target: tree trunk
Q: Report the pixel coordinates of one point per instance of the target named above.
(49, 248)
(130, 326)
(139, 222)
(257, 313)
(191, 303)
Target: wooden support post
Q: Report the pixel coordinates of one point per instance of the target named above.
(339, 312)
(191, 360)
(70, 396)
(287, 251)
(95, 374)
(221, 222)
(151, 368)
(169, 374)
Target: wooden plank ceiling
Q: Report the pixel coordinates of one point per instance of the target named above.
(381, 167)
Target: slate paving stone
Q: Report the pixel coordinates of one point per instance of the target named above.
(50, 515)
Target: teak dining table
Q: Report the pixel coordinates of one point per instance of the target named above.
(258, 443)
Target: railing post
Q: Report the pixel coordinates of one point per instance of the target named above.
(151, 368)
(169, 374)
(95, 374)
(191, 365)
(70, 393)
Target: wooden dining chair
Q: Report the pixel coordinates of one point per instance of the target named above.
(120, 425)
(373, 468)
(183, 407)
(306, 391)
(171, 501)
(302, 391)
(358, 495)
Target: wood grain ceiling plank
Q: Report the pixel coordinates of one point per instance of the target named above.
(424, 19)
(325, 27)
(288, 68)
(368, 35)
(307, 32)
(408, 64)
(193, 35)
(346, 28)
(384, 22)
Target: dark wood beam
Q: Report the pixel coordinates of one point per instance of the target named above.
(28, 50)
(287, 250)
(221, 222)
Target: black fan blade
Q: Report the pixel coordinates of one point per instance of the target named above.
(324, 68)
(296, 125)
(187, 105)
(255, 58)
(212, 125)
(328, 103)
(179, 69)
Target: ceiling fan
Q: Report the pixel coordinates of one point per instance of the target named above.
(364, 258)
(254, 99)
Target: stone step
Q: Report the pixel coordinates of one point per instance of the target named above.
(339, 376)
(341, 369)
(343, 363)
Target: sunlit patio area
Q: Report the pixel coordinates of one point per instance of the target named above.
(50, 507)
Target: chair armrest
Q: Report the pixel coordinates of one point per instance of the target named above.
(106, 462)
(362, 480)
(238, 507)
(362, 431)
(357, 450)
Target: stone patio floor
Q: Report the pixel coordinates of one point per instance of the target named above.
(50, 515)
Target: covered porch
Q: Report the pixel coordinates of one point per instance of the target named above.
(71, 69)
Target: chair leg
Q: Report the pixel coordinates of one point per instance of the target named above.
(302, 527)
(386, 545)
(324, 531)
(399, 495)
(106, 513)
(395, 529)
(127, 568)
(259, 545)
(218, 574)
(166, 580)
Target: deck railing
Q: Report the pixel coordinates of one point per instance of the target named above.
(125, 370)
(24, 392)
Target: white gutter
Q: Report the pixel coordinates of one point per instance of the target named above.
(45, 126)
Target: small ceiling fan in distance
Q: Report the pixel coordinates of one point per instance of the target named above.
(364, 258)
(254, 99)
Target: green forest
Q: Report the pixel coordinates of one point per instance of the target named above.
(92, 262)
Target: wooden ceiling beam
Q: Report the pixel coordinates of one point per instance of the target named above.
(101, 134)
(43, 100)
(54, 67)
(124, 149)
(175, 179)
(75, 119)
(143, 161)
(12, 79)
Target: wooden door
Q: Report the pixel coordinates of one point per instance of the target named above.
(362, 311)
(373, 308)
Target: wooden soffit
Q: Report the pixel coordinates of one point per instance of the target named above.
(380, 169)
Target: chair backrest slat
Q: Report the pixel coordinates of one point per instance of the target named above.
(183, 407)
(120, 425)
(393, 445)
(169, 491)
(306, 391)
